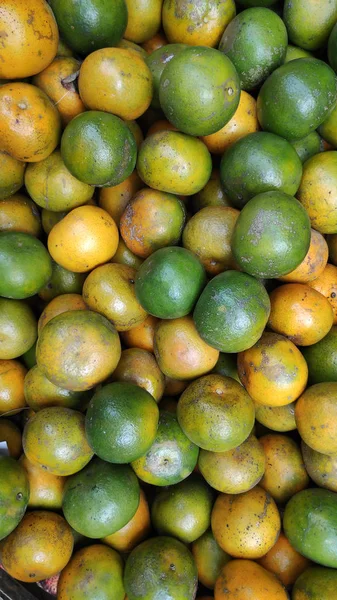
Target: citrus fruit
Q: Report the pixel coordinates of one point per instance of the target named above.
(180, 351)
(14, 494)
(30, 38)
(216, 413)
(332, 246)
(11, 434)
(169, 282)
(19, 213)
(246, 525)
(208, 234)
(232, 311)
(313, 511)
(285, 473)
(38, 548)
(212, 194)
(308, 146)
(328, 129)
(124, 256)
(84, 334)
(172, 456)
(142, 335)
(199, 90)
(257, 163)
(276, 418)
(300, 313)
(115, 199)
(11, 175)
(325, 284)
(284, 561)
(308, 25)
(227, 366)
(98, 148)
(174, 162)
(161, 565)
(156, 62)
(317, 192)
(272, 235)
(50, 218)
(41, 393)
(18, 328)
(157, 41)
(316, 417)
(92, 24)
(58, 305)
(152, 220)
(314, 262)
(84, 238)
(256, 43)
(101, 498)
(250, 580)
(283, 105)
(12, 376)
(121, 422)
(321, 358)
(316, 583)
(196, 26)
(117, 81)
(55, 439)
(25, 265)
(243, 122)
(46, 489)
(110, 290)
(135, 531)
(209, 558)
(139, 367)
(32, 138)
(321, 468)
(144, 19)
(61, 282)
(294, 52)
(273, 371)
(235, 471)
(89, 570)
(183, 511)
(44, 179)
(58, 81)
(332, 48)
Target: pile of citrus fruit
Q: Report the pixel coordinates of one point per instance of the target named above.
(168, 298)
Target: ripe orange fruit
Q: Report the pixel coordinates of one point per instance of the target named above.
(285, 473)
(135, 531)
(12, 376)
(59, 305)
(300, 313)
(141, 336)
(246, 525)
(313, 263)
(180, 351)
(30, 38)
(30, 125)
(19, 213)
(273, 371)
(58, 81)
(284, 561)
(116, 80)
(139, 366)
(85, 238)
(245, 579)
(152, 220)
(83, 334)
(243, 122)
(326, 284)
(110, 290)
(201, 27)
(39, 547)
(115, 199)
